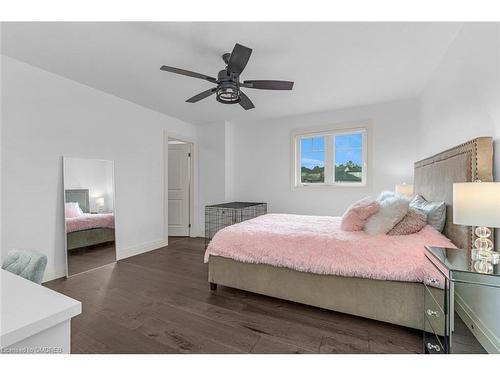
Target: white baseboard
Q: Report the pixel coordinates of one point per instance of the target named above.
(196, 233)
(483, 334)
(52, 275)
(136, 250)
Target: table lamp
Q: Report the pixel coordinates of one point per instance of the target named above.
(478, 204)
(404, 189)
(100, 203)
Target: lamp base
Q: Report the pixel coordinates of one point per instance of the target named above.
(483, 266)
(483, 260)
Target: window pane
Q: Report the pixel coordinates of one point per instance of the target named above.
(312, 160)
(349, 157)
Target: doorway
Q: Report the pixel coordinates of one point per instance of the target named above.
(179, 187)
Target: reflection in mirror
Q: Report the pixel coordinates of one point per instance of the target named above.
(89, 207)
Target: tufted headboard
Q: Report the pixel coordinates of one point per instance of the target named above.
(78, 195)
(434, 178)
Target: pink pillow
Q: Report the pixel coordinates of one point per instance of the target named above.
(413, 222)
(72, 209)
(356, 215)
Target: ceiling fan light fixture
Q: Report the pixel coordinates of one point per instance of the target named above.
(228, 93)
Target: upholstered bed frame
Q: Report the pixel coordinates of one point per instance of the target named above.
(87, 237)
(389, 301)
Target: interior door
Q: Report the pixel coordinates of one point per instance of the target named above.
(178, 189)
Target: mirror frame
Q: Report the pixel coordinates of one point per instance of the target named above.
(64, 160)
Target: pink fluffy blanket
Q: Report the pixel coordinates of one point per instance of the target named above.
(317, 244)
(90, 221)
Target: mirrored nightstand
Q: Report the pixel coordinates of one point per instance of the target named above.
(450, 325)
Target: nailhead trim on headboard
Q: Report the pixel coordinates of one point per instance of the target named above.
(480, 168)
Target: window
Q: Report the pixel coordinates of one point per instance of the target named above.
(327, 158)
(348, 157)
(312, 160)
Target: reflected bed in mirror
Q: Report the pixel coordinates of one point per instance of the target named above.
(89, 214)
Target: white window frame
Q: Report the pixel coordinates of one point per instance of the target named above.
(329, 133)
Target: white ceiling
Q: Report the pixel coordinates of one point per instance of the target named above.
(334, 65)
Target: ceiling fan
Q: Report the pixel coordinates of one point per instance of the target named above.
(228, 89)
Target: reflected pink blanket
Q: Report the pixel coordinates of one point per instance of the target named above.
(90, 221)
(317, 244)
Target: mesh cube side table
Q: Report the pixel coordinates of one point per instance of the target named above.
(219, 216)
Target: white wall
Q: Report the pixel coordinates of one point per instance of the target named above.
(216, 166)
(1, 177)
(462, 98)
(229, 157)
(212, 168)
(262, 153)
(461, 102)
(1, 165)
(44, 117)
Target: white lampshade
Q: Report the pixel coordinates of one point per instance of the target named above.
(404, 189)
(477, 204)
(99, 202)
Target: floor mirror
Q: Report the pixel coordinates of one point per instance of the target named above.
(89, 214)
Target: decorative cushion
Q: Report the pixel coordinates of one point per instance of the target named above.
(386, 194)
(72, 209)
(392, 210)
(435, 211)
(29, 264)
(413, 222)
(356, 215)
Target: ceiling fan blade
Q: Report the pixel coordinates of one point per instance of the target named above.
(245, 102)
(202, 95)
(268, 85)
(239, 58)
(188, 73)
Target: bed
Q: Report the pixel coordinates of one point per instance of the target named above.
(393, 301)
(88, 229)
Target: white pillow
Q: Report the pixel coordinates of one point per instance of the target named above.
(72, 209)
(392, 210)
(386, 194)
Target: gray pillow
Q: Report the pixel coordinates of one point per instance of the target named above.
(435, 211)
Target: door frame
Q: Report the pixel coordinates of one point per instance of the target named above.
(193, 183)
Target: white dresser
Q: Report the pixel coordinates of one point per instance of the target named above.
(34, 319)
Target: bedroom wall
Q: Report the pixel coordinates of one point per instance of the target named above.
(261, 153)
(462, 99)
(216, 164)
(1, 161)
(46, 116)
(212, 173)
(460, 102)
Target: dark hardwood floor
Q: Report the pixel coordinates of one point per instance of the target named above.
(160, 302)
(82, 260)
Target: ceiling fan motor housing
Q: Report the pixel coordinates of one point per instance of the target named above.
(228, 91)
